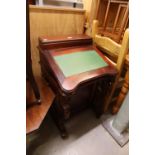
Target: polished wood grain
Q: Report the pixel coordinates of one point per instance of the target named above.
(64, 44)
(69, 84)
(77, 92)
(35, 114)
(72, 37)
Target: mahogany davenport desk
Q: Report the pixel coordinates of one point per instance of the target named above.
(77, 72)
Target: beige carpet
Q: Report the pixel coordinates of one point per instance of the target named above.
(86, 137)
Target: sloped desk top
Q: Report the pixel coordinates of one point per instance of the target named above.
(75, 65)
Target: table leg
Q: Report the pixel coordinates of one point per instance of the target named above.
(122, 94)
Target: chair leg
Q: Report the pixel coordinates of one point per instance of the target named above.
(110, 94)
(122, 94)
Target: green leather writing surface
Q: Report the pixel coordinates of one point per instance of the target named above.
(79, 62)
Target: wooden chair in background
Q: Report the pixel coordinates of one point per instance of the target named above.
(116, 52)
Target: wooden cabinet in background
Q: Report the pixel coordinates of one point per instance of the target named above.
(113, 17)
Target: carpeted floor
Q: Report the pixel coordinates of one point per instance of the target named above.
(86, 137)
